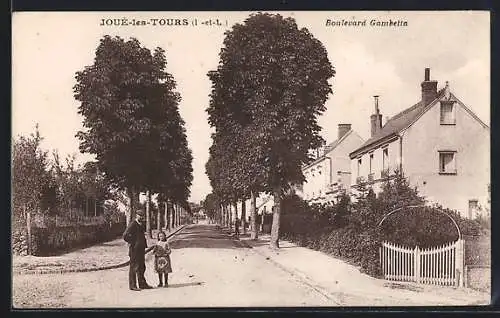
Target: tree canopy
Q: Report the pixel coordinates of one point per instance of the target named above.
(268, 90)
(131, 120)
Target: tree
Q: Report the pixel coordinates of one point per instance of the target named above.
(268, 91)
(31, 178)
(127, 99)
(211, 206)
(67, 177)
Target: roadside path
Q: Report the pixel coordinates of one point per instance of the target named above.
(335, 277)
(102, 256)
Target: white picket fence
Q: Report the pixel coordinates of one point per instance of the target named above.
(441, 265)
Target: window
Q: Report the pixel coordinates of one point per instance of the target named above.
(447, 162)
(385, 159)
(473, 207)
(447, 113)
(371, 161)
(359, 167)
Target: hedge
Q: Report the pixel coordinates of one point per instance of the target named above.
(350, 231)
(54, 240)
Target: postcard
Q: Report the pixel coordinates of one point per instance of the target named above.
(250, 159)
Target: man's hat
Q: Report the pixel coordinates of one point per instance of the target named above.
(139, 212)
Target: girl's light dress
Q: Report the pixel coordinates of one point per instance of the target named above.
(162, 256)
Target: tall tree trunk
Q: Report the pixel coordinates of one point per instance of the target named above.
(169, 214)
(95, 207)
(176, 215)
(228, 212)
(244, 215)
(224, 216)
(148, 214)
(235, 205)
(180, 215)
(86, 206)
(134, 202)
(158, 217)
(165, 215)
(230, 217)
(219, 215)
(223, 209)
(253, 211)
(173, 215)
(275, 229)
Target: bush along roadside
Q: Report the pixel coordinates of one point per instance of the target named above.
(349, 229)
(53, 240)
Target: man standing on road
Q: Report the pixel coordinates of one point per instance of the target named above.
(134, 236)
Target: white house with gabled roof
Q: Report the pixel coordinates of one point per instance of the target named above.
(439, 144)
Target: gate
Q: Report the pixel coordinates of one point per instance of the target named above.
(442, 265)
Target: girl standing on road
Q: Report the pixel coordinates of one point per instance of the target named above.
(162, 252)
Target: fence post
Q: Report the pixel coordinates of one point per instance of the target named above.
(380, 259)
(466, 283)
(460, 263)
(28, 227)
(416, 254)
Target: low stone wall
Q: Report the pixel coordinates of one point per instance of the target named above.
(53, 240)
(478, 277)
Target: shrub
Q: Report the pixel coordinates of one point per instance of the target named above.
(349, 230)
(54, 240)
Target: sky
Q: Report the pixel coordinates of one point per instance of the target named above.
(49, 47)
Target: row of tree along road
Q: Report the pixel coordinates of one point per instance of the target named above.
(268, 90)
(132, 123)
(133, 128)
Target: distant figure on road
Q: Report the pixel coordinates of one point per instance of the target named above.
(237, 227)
(134, 236)
(162, 252)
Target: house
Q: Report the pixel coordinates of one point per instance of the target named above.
(439, 144)
(329, 175)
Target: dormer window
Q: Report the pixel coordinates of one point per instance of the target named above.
(447, 113)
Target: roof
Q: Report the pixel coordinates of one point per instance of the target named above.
(328, 148)
(398, 122)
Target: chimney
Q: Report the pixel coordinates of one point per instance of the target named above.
(429, 88)
(343, 129)
(376, 119)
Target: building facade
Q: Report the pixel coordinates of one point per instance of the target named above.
(439, 144)
(329, 175)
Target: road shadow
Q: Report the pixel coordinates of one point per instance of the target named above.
(113, 243)
(258, 242)
(204, 236)
(205, 242)
(185, 284)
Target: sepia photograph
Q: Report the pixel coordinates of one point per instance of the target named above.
(186, 159)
